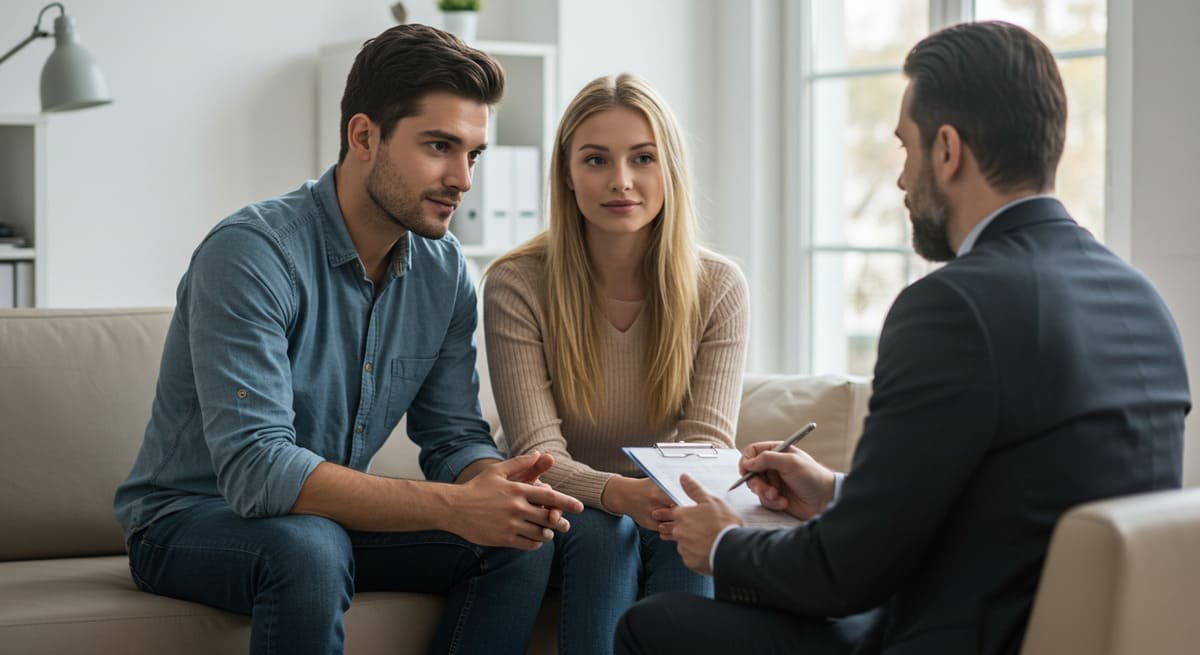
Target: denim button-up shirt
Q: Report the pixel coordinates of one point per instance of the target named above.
(280, 356)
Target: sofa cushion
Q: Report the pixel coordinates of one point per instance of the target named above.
(75, 394)
(774, 406)
(76, 388)
(91, 605)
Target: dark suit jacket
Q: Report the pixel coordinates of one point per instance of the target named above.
(1037, 372)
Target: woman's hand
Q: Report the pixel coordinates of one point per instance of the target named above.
(635, 497)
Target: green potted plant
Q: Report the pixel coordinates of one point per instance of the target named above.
(460, 17)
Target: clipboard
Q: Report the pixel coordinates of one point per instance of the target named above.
(715, 469)
(685, 449)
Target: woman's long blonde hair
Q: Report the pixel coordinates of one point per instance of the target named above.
(671, 268)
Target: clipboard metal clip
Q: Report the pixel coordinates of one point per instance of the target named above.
(684, 449)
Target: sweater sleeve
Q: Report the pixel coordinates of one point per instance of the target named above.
(710, 413)
(522, 386)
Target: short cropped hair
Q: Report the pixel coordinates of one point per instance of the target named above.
(999, 86)
(395, 70)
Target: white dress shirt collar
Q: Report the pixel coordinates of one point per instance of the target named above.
(973, 235)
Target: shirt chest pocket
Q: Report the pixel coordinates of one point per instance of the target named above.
(407, 376)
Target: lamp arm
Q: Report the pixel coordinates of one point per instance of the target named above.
(38, 32)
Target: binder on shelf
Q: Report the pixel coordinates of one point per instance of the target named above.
(527, 173)
(485, 216)
(8, 283)
(23, 285)
(467, 222)
(498, 201)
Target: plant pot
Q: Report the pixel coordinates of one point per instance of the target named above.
(462, 24)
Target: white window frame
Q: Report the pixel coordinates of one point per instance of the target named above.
(797, 302)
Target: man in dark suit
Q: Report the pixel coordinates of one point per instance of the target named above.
(1033, 372)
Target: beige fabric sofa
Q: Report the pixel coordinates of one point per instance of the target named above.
(75, 393)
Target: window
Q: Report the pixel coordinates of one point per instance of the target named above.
(855, 233)
(1076, 31)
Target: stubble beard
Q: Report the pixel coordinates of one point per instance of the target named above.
(387, 190)
(928, 211)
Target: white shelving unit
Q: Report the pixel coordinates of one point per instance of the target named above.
(526, 117)
(23, 192)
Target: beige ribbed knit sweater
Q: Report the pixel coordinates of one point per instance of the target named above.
(520, 348)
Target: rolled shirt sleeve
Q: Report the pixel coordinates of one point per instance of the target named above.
(282, 354)
(237, 312)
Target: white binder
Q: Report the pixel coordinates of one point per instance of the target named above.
(8, 276)
(527, 184)
(485, 216)
(24, 284)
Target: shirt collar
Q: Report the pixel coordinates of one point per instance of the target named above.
(338, 246)
(402, 255)
(973, 236)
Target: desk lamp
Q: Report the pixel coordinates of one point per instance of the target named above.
(70, 79)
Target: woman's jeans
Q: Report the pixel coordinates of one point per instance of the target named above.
(295, 575)
(599, 566)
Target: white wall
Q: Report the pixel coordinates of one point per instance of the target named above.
(668, 42)
(214, 107)
(716, 63)
(1163, 206)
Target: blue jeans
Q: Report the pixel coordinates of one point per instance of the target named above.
(599, 566)
(295, 575)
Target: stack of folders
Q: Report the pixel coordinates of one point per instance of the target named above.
(16, 284)
(502, 209)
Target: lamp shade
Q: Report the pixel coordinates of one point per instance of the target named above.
(70, 79)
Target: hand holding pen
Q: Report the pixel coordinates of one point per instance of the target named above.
(783, 445)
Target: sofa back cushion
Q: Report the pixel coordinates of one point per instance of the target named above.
(75, 394)
(76, 388)
(775, 406)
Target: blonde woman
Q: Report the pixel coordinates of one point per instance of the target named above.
(614, 328)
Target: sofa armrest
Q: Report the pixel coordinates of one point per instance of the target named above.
(1120, 578)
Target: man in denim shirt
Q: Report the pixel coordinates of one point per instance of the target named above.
(306, 326)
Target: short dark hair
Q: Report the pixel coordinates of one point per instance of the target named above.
(395, 70)
(999, 86)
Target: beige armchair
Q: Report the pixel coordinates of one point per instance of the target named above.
(1122, 578)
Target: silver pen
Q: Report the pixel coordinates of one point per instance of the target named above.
(783, 445)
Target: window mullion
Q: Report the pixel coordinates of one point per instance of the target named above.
(943, 13)
(797, 271)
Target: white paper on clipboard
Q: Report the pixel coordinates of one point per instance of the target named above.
(714, 472)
